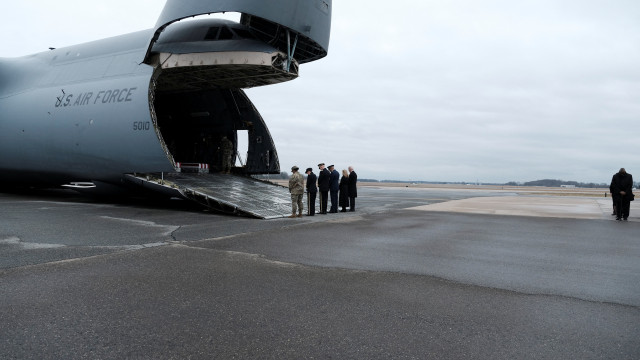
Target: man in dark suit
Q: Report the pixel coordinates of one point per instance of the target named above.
(334, 187)
(353, 189)
(621, 190)
(323, 185)
(312, 190)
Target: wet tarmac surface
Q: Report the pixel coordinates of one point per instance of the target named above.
(163, 280)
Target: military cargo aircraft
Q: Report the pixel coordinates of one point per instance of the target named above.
(151, 109)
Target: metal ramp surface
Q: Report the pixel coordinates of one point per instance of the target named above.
(223, 192)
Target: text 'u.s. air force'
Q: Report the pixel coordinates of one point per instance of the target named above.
(101, 97)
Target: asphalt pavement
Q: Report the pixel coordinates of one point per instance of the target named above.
(81, 278)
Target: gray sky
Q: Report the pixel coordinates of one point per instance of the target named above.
(457, 90)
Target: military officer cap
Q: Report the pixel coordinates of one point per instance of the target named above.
(321, 164)
(309, 169)
(294, 168)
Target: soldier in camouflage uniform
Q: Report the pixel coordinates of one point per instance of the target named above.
(227, 155)
(296, 188)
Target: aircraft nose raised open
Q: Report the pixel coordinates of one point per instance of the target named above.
(214, 53)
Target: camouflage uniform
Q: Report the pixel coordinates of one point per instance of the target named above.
(227, 154)
(296, 188)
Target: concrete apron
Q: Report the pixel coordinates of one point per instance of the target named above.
(540, 206)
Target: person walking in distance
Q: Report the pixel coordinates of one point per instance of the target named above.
(296, 188)
(621, 186)
(353, 189)
(312, 190)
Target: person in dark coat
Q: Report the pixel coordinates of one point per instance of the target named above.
(312, 190)
(323, 186)
(334, 187)
(353, 189)
(621, 186)
(344, 191)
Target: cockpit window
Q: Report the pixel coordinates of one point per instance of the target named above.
(244, 33)
(212, 34)
(225, 34)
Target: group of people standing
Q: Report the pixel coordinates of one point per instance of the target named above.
(343, 191)
(621, 191)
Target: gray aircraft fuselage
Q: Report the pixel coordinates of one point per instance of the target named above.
(148, 101)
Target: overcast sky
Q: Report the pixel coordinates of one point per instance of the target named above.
(456, 90)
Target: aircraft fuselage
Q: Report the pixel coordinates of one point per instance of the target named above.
(97, 111)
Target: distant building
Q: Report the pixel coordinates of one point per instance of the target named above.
(568, 186)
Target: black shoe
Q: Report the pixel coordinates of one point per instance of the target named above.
(625, 219)
(619, 219)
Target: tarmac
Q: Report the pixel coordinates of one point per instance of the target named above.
(414, 273)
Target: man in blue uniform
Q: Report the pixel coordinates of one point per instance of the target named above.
(323, 186)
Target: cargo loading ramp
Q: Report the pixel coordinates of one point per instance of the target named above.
(232, 194)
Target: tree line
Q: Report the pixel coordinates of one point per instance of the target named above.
(558, 183)
(544, 182)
